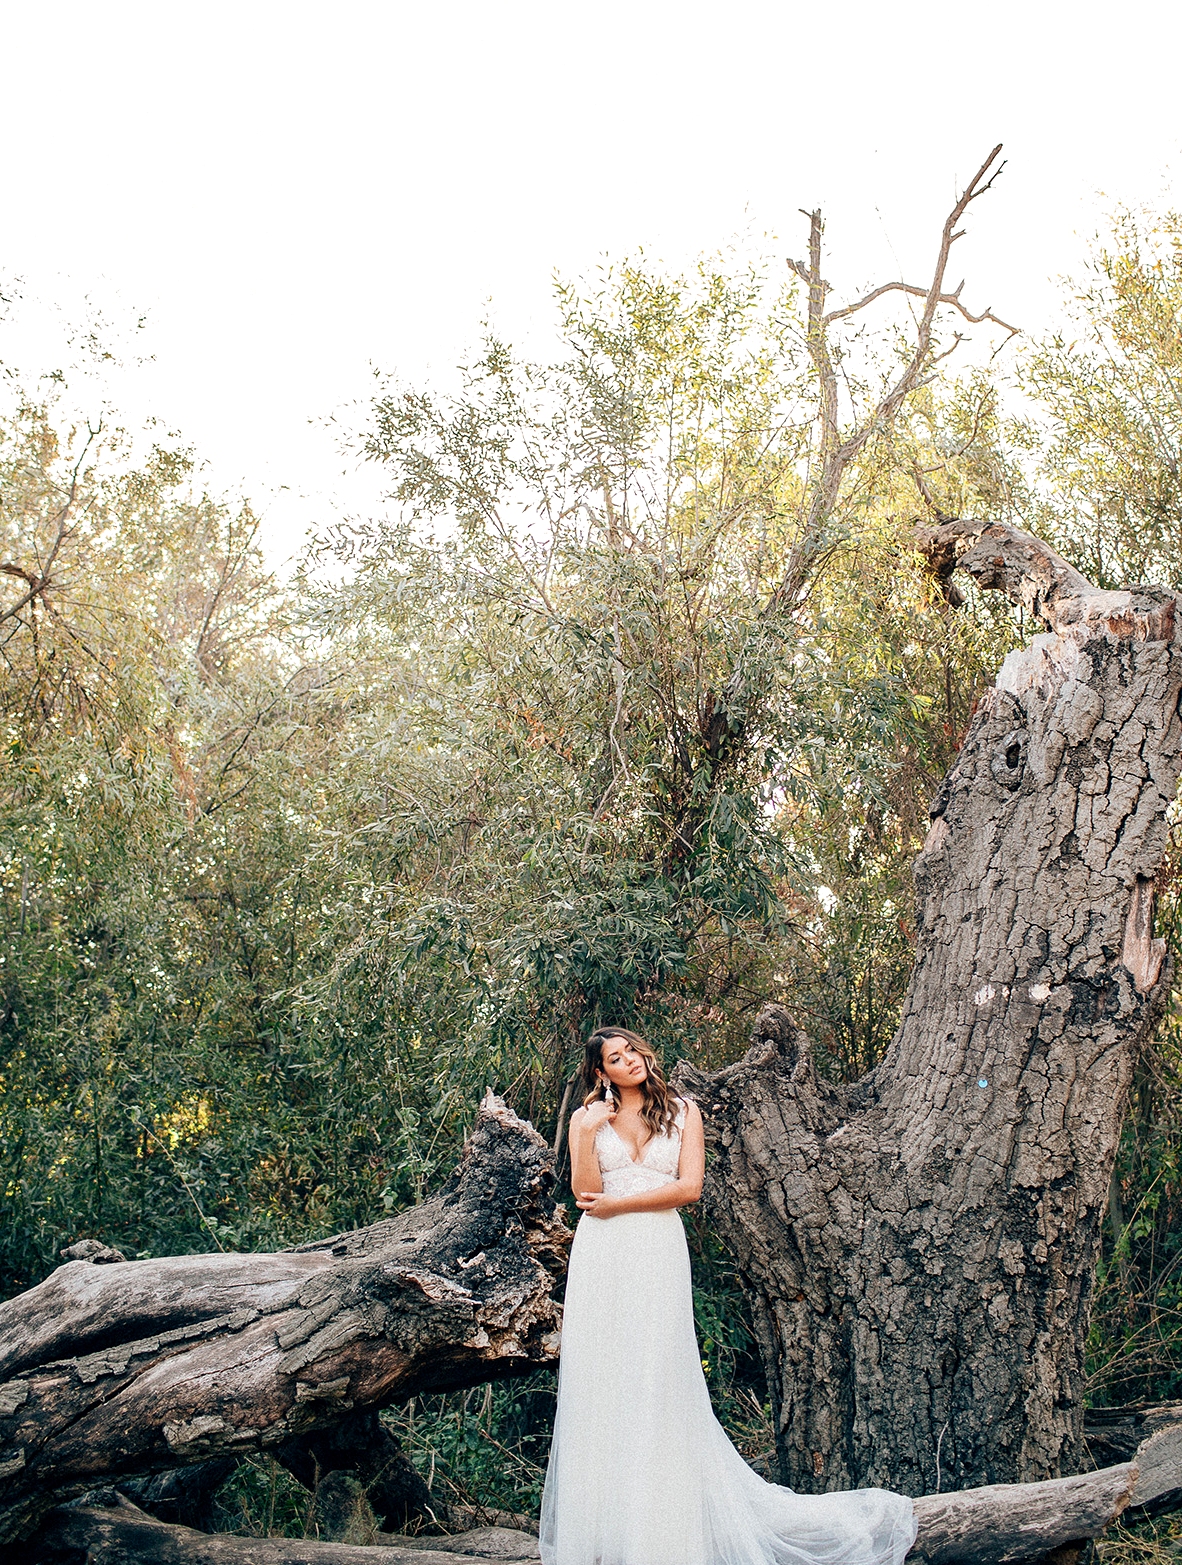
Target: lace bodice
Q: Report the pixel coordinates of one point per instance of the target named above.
(624, 1175)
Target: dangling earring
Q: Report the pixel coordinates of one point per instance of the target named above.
(607, 1096)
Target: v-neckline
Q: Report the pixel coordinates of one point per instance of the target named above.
(637, 1162)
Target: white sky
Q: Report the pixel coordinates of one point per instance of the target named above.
(295, 192)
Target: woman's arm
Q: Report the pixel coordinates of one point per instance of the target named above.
(584, 1165)
(683, 1191)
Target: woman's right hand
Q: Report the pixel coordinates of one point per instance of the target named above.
(596, 1114)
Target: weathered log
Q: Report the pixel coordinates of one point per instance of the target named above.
(489, 1543)
(138, 1366)
(182, 1494)
(1012, 1522)
(359, 1447)
(1003, 1524)
(118, 1533)
(1114, 1434)
(919, 1246)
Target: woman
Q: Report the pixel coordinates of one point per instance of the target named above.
(641, 1472)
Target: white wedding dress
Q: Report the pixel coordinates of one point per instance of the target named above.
(641, 1472)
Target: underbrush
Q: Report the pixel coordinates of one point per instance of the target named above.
(1155, 1540)
(261, 1499)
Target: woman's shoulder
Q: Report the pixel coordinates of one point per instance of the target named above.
(685, 1108)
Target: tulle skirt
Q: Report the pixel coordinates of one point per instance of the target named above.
(641, 1472)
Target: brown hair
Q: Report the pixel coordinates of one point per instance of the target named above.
(660, 1105)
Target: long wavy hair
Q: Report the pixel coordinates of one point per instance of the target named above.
(660, 1105)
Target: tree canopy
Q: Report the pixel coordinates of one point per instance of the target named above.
(610, 718)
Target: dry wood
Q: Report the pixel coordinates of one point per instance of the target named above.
(131, 1367)
(919, 1246)
(1012, 1522)
(121, 1534)
(835, 453)
(1114, 1434)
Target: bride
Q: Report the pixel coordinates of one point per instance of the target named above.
(641, 1472)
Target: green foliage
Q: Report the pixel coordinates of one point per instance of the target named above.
(603, 725)
(261, 1499)
(485, 1447)
(1135, 1348)
(648, 754)
(1112, 396)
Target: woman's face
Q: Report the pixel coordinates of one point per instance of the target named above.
(622, 1064)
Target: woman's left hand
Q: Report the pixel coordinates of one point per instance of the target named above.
(597, 1204)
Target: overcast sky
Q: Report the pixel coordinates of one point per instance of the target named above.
(294, 192)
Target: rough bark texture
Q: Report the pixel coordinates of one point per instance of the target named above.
(133, 1367)
(117, 1533)
(182, 1494)
(1113, 1434)
(1005, 1523)
(919, 1246)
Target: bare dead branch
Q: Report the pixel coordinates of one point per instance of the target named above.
(921, 293)
(834, 453)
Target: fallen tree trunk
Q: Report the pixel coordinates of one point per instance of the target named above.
(919, 1246)
(1114, 1434)
(357, 1450)
(363, 1448)
(135, 1367)
(121, 1534)
(1004, 1524)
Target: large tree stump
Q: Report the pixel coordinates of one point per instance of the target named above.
(919, 1246)
(139, 1366)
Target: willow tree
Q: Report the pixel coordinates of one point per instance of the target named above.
(149, 841)
(611, 593)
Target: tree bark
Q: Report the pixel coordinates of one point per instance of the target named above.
(185, 1495)
(1005, 1523)
(134, 1367)
(1113, 1434)
(919, 1246)
(119, 1533)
